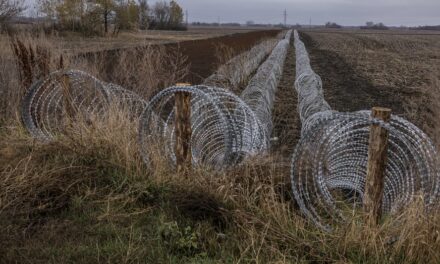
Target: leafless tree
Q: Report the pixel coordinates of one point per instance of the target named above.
(9, 9)
(161, 12)
(143, 14)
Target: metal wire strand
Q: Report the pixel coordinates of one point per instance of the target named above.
(259, 95)
(237, 70)
(225, 128)
(329, 163)
(65, 96)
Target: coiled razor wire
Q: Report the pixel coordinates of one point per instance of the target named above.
(329, 163)
(51, 103)
(225, 128)
(239, 68)
(308, 85)
(260, 92)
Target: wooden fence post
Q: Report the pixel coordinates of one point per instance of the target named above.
(183, 130)
(377, 159)
(68, 104)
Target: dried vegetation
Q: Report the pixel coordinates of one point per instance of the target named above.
(88, 197)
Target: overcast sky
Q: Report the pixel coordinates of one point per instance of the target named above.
(345, 12)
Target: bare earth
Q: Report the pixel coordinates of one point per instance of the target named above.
(396, 69)
(75, 43)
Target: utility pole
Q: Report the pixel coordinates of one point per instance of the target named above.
(218, 21)
(186, 15)
(285, 18)
(310, 22)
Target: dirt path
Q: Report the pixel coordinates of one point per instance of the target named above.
(285, 114)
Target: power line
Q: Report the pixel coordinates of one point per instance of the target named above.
(285, 17)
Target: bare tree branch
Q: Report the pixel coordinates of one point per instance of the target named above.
(10, 9)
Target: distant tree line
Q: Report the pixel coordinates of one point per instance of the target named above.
(9, 9)
(103, 16)
(426, 28)
(372, 25)
(234, 24)
(332, 25)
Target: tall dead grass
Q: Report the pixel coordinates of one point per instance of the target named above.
(252, 215)
(37, 176)
(250, 206)
(26, 58)
(144, 70)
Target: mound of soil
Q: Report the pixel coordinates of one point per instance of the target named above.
(202, 53)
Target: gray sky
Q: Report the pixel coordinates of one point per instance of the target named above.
(344, 12)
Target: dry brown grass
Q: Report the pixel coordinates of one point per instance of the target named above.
(35, 175)
(246, 212)
(88, 197)
(249, 207)
(27, 58)
(24, 59)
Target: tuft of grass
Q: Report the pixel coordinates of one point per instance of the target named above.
(88, 197)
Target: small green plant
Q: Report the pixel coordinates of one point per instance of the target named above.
(180, 240)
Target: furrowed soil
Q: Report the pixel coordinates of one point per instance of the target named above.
(287, 126)
(202, 53)
(394, 70)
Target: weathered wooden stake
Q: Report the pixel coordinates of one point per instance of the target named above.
(183, 131)
(377, 159)
(68, 106)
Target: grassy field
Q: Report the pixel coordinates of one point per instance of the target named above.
(87, 197)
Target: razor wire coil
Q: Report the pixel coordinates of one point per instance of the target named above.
(50, 103)
(239, 68)
(259, 95)
(225, 128)
(330, 161)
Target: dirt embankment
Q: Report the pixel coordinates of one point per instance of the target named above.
(200, 53)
